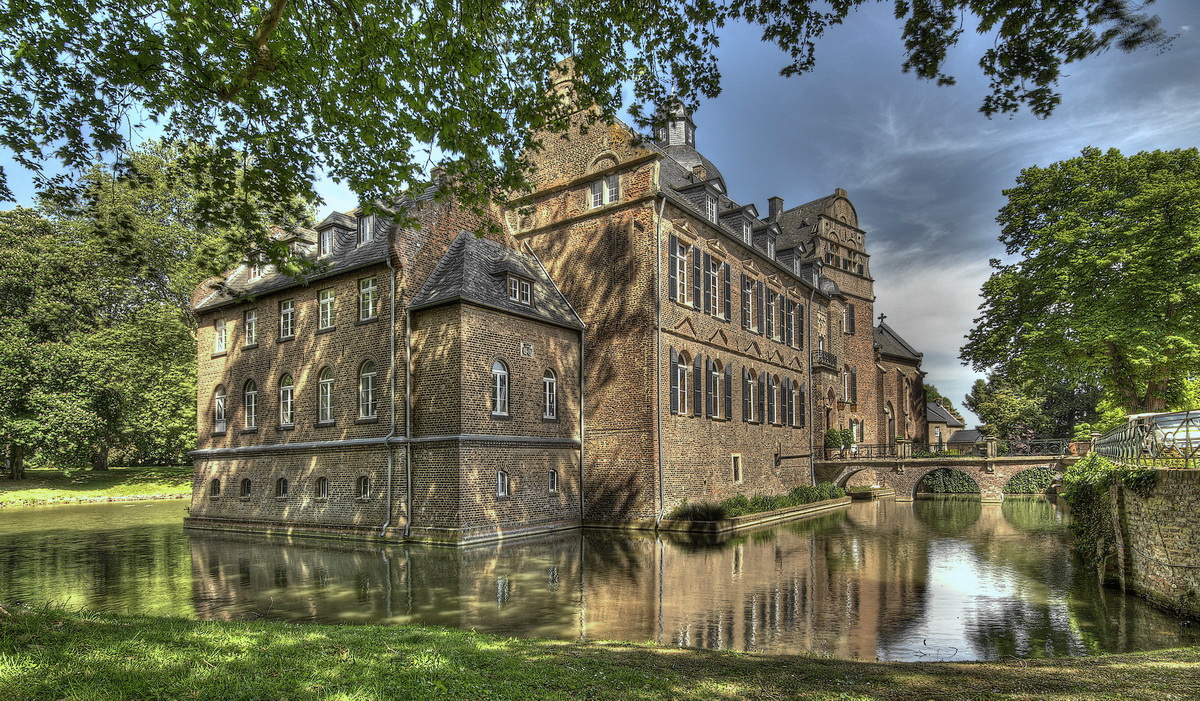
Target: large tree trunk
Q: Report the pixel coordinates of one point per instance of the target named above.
(100, 461)
(16, 461)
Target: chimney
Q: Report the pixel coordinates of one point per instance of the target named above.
(699, 171)
(775, 206)
(438, 175)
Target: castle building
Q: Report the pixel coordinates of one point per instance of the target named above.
(633, 339)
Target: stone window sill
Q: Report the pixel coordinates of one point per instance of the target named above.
(367, 420)
(250, 430)
(285, 339)
(371, 320)
(327, 329)
(501, 417)
(325, 424)
(219, 354)
(218, 433)
(549, 419)
(250, 346)
(286, 427)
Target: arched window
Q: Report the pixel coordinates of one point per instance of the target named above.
(219, 409)
(281, 487)
(287, 409)
(325, 395)
(502, 484)
(321, 488)
(364, 487)
(368, 406)
(749, 395)
(550, 395)
(214, 488)
(250, 403)
(499, 389)
(681, 373)
(552, 481)
(245, 489)
(716, 389)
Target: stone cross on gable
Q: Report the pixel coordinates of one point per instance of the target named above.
(882, 316)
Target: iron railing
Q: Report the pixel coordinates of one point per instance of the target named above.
(863, 450)
(1034, 446)
(1040, 446)
(825, 358)
(1159, 440)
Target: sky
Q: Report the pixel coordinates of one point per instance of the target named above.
(924, 169)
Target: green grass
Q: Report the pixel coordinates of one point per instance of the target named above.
(59, 655)
(56, 487)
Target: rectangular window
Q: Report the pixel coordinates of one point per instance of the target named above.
(552, 481)
(681, 277)
(770, 314)
(256, 270)
(287, 318)
(368, 292)
(520, 291)
(714, 286)
(502, 484)
(737, 468)
(746, 230)
(605, 191)
(325, 242)
(366, 228)
(220, 336)
(325, 309)
(250, 321)
(250, 402)
(710, 208)
(770, 247)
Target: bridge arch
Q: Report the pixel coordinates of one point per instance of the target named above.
(904, 474)
(951, 470)
(1036, 479)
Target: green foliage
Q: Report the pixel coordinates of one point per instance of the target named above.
(376, 93)
(933, 395)
(1036, 480)
(47, 486)
(741, 505)
(1008, 409)
(1104, 288)
(946, 480)
(1086, 489)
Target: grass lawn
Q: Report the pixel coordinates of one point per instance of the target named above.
(61, 655)
(54, 487)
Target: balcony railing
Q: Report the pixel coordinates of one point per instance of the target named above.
(825, 358)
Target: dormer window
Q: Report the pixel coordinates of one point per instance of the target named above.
(746, 230)
(366, 228)
(770, 247)
(325, 243)
(605, 191)
(710, 208)
(520, 290)
(255, 270)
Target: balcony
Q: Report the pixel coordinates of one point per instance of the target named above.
(824, 359)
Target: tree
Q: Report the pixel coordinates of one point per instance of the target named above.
(1009, 410)
(933, 395)
(376, 93)
(1105, 288)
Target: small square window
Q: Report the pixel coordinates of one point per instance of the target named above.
(520, 290)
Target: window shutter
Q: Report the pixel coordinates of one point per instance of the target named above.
(788, 319)
(708, 388)
(673, 275)
(786, 396)
(758, 298)
(762, 397)
(708, 274)
(851, 318)
(854, 385)
(674, 382)
(745, 302)
(698, 388)
(727, 307)
(745, 394)
(800, 326)
(729, 391)
(696, 278)
(770, 399)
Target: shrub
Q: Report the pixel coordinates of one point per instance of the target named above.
(945, 480)
(741, 505)
(1036, 480)
(699, 511)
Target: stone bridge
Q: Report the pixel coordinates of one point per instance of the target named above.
(904, 474)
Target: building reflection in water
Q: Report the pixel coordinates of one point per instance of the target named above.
(927, 580)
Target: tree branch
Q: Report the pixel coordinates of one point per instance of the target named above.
(260, 50)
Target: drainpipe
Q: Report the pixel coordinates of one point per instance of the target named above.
(391, 460)
(812, 446)
(408, 411)
(662, 494)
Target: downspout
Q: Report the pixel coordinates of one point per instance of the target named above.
(812, 446)
(582, 365)
(408, 407)
(662, 494)
(387, 444)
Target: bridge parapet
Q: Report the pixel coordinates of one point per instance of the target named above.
(904, 474)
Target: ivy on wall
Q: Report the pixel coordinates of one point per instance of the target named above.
(1086, 489)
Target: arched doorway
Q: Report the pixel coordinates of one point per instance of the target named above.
(889, 416)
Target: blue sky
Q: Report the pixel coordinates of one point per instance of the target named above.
(924, 169)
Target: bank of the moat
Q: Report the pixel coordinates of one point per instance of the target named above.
(931, 580)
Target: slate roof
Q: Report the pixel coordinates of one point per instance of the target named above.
(346, 255)
(476, 270)
(890, 343)
(936, 413)
(799, 223)
(969, 435)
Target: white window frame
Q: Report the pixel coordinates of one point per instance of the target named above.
(770, 248)
(503, 486)
(769, 311)
(714, 287)
(607, 190)
(220, 336)
(254, 270)
(287, 401)
(321, 488)
(520, 290)
(368, 294)
(552, 481)
(366, 229)
(682, 272)
(219, 406)
(324, 243)
(368, 401)
(735, 464)
(499, 399)
(250, 403)
(710, 208)
(683, 375)
(287, 318)
(281, 488)
(250, 322)
(363, 487)
(752, 390)
(718, 382)
(550, 395)
(325, 311)
(325, 395)
(746, 230)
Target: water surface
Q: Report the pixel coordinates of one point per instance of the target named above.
(943, 579)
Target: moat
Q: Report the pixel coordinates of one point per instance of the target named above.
(939, 579)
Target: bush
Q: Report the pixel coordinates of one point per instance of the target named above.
(1085, 488)
(700, 511)
(741, 505)
(1036, 480)
(945, 480)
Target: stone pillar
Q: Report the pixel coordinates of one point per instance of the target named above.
(904, 448)
(991, 447)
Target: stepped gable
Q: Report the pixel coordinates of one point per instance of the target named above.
(347, 255)
(799, 224)
(891, 344)
(936, 413)
(476, 270)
